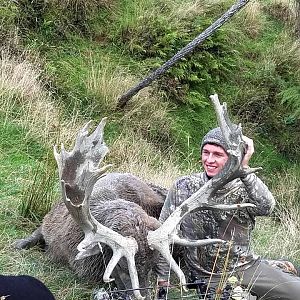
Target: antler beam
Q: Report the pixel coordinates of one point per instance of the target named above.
(78, 172)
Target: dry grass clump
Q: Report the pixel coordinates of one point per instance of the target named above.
(278, 237)
(131, 153)
(108, 81)
(23, 98)
(187, 9)
(285, 10)
(8, 28)
(284, 56)
(81, 5)
(252, 18)
(148, 115)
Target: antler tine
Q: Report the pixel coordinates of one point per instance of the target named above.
(166, 234)
(98, 132)
(82, 134)
(96, 140)
(196, 243)
(231, 133)
(222, 116)
(78, 171)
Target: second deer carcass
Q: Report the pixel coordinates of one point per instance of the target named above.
(105, 225)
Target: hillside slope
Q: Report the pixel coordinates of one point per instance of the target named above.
(65, 62)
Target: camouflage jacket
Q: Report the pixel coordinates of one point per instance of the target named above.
(232, 226)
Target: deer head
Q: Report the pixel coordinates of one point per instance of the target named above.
(78, 172)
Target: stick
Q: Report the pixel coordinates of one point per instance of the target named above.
(183, 52)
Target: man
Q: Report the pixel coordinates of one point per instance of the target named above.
(218, 261)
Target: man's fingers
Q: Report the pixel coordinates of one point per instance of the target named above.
(249, 150)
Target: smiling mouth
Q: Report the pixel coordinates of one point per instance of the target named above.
(211, 167)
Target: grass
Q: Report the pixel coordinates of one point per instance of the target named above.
(49, 90)
(19, 156)
(284, 10)
(277, 237)
(253, 17)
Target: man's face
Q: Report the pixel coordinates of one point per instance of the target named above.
(213, 159)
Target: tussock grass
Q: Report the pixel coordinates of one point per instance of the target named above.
(285, 10)
(23, 98)
(149, 114)
(134, 155)
(284, 55)
(83, 5)
(278, 236)
(107, 81)
(41, 192)
(252, 17)
(8, 28)
(187, 9)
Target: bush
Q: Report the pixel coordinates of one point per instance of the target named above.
(156, 38)
(55, 19)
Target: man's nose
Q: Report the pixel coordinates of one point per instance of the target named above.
(211, 158)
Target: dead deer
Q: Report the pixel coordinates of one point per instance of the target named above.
(105, 226)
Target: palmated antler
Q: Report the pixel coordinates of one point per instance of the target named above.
(78, 172)
(167, 233)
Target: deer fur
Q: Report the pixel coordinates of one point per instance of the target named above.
(119, 201)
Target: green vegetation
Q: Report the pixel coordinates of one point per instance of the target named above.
(65, 62)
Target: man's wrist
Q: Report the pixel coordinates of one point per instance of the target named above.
(248, 178)
(245, 169)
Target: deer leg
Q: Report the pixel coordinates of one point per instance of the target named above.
(36, 238)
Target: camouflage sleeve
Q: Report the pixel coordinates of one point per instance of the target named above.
(182, 189)
(170, 203)
(259, 195)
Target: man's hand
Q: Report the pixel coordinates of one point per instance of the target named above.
(249, 151)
